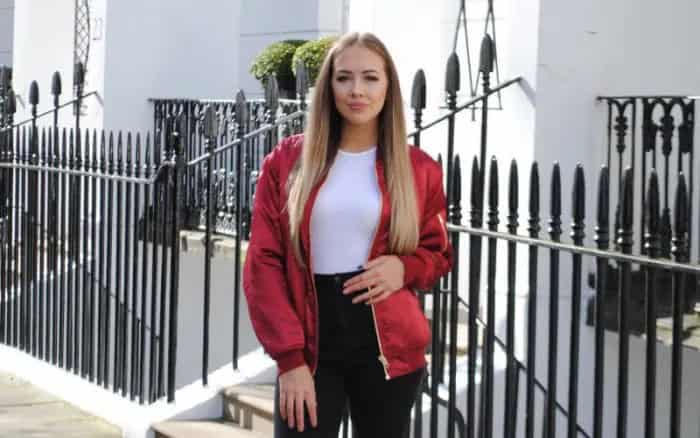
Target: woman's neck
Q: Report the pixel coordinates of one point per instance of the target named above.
(358, 138)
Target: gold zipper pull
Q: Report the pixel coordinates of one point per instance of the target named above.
(385, 365)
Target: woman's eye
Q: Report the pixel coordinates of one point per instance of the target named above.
(341, 79)
(372, 78)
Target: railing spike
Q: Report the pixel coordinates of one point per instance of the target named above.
(652, 214)
(211, 122)
(272, 93)
(513, 189)
(418, 91)
(487, 55)
(34, 93)
(493, 187)
(56, 87)
(79, 75)
(555, 201)
(452, 74)
(457, 182)
(534, 190)
(579, 195)
(241, 108)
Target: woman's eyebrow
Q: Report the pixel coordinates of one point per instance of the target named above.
(363, 71)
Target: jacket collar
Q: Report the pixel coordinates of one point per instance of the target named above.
(385, 213)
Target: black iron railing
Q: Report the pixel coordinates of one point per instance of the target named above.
(259, 115)
(647, 133)
(89, 268)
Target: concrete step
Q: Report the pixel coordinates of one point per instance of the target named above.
(251, 406)
(203, 429)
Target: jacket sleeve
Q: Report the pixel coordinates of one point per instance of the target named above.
(275, 322)
(434, 255)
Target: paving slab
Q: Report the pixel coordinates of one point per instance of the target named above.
(27, 411)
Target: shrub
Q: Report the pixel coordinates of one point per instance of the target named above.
(276, 58)
(312, 54)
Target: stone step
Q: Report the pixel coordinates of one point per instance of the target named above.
(203, 429)
(251, 406)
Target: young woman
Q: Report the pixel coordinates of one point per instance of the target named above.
(348, 220)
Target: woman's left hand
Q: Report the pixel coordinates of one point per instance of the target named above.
(383, 276)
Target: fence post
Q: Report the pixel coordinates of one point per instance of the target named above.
(680, 255)
(652, 247)
(476, 218)
(486, 61)
(455, 218)
(78, 85)
(240, 117)
(302, 86)
(511, 400)
(211, 129)
(418, 104)
(533, 230)
(625, 242)
(554, 235)
(272, 102)
(178, 212)
(602, 239)
(577, 235)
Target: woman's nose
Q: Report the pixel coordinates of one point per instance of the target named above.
(356, 88)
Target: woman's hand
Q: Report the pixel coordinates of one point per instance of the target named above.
(383, 276)
(297, 390)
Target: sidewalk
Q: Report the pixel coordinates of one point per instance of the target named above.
(28, 412)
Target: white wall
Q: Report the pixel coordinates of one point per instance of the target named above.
(43, 44)
(6, 31)
(305, 20)
(167, 49)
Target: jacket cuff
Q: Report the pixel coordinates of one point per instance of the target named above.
(290, 360)
(412, 266)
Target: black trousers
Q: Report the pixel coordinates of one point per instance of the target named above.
(349, 373)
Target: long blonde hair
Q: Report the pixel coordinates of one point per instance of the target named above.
(321, 142)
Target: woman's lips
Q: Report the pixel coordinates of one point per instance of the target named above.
(357, 106)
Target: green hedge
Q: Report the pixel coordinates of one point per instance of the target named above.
(276, 58)
(312, 54)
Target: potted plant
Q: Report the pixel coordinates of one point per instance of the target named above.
(277, 59)
(312, 53)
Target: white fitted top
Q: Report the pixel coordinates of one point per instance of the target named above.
(346, 213)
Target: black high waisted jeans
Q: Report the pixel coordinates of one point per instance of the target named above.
(349, 372)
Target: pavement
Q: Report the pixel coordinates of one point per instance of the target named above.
(26, 411)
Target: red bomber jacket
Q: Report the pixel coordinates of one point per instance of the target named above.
(281, 295)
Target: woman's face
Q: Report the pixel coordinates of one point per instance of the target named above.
(359, 84)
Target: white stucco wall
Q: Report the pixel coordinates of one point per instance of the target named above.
(166, 49)
(264, 22)
(6, 31)
(52, 24)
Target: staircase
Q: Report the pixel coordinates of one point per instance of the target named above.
(248, 413)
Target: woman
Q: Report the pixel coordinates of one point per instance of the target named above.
(347, 221)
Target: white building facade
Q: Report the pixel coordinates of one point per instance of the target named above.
(567, 53)
(6, 31)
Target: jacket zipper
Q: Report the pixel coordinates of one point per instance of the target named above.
(382, 358)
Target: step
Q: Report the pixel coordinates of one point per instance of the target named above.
(251, 406)
(202, 429)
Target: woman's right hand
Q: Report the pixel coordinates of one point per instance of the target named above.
(296, 390)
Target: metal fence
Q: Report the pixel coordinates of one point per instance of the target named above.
(89, 265)
(240, 114)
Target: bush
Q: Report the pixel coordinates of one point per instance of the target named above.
(312, 54)
(276, 58)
